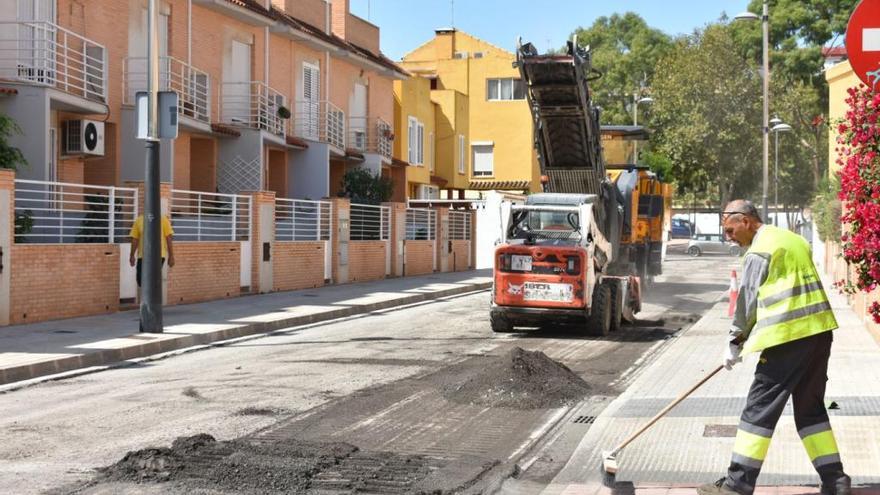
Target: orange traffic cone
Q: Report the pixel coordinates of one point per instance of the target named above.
(733, 293)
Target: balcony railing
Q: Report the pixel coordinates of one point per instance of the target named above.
(254, 104)
(320, 121)
(46, 54)
(370, 136)
(192, 85)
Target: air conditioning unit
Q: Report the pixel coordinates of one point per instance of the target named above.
(428, 192)
(84, 137)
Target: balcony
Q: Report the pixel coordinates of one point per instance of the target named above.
(192, 85)
(320, 121)
(45, 54)
(370, 136)
(254, 104)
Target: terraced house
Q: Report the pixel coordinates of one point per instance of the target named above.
(482, 130)
(277, 100)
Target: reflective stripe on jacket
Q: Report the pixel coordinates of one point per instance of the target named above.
(791, 302)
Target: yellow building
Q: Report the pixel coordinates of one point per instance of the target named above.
(841, 78)
(415, 142)
(483, 128)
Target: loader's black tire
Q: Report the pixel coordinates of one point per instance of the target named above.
(616, 305)
(500, 324)
(599, 321)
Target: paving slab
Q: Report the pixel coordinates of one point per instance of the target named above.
(36, 350)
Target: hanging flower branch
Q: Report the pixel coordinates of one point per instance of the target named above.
(859, 151)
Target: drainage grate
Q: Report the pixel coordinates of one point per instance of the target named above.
(720, 431)
(585, 419)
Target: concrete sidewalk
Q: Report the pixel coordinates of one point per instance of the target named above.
(40, 349)
(693, 443)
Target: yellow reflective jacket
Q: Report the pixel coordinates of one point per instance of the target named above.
(791, 302)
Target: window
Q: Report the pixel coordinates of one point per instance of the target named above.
(416, 141)
(478, 54)
(505, 89)
(483, 160)
(460, 55)
(461, 156)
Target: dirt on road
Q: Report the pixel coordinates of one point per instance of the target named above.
(519, 379)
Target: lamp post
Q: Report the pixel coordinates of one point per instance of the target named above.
(636, 101)
(765, 59)
(778, 126)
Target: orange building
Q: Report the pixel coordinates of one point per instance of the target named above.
(275, 95)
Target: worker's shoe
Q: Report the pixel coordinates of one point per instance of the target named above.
(840, 487)
(717, 488)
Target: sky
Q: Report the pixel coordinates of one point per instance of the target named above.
(406, 24)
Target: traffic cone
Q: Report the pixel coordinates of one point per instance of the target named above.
(733, 293)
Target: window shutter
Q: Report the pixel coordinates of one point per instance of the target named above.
(483, 160)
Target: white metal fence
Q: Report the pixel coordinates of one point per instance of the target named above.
(421, 224)
(460, 225)
(192, 85)
(320, 121)
(254, 104)
(59, 212)
(370, 223)
(44, 53)
(207, 217)
(300, 220)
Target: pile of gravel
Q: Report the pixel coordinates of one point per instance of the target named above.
(519, 379)
(201, 461)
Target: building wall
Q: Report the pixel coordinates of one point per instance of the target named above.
(312, 12)
(366, 260)
(182, 162)
(505, 124)
(297, 265)
(419, 258)
(451, 120)
(203, 164)
(840, 79)
(412, 98)
(362, 33)
(459, 256)
(204, 271)
(63, 281)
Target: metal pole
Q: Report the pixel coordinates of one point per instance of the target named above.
(776, 180)
(151, 288)
(765, 21)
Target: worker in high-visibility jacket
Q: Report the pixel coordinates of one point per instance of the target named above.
(782, 312)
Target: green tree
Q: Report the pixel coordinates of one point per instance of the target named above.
(10, 156)
(362, 186)
(706, 113)
(626, 50)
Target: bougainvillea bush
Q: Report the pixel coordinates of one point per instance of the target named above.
(859, 151)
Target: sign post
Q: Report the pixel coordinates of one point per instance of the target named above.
(863, 42)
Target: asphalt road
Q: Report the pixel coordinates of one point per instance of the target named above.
(369, 381)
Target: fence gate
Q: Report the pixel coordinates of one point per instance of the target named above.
(306, 221)
(460, 230)
(421, 225)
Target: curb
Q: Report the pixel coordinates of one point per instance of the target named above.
(105, 357)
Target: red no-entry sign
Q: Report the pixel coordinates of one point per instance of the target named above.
(863, 42)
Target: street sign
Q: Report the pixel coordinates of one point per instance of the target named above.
(863, 42)
(167, 102)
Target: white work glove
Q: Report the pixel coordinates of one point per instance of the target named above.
(731, 355)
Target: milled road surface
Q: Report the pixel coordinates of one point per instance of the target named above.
(374, 382)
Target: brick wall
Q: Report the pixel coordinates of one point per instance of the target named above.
(310, 11)
(181, 174)
(362, 33)
(458, 258)
(63, 281)
(366, 260)
(204, 271)
(339, 14)
(297, 265)
(419, 258)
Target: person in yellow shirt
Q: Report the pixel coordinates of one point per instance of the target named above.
(137, 244)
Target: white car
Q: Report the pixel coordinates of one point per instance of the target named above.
(712, 244)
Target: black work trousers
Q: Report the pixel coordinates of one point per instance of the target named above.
(797, 369)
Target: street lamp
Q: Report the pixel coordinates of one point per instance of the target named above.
(778, 126)
(636, 101)
(765, 21)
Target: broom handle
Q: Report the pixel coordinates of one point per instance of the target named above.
(665, 410)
